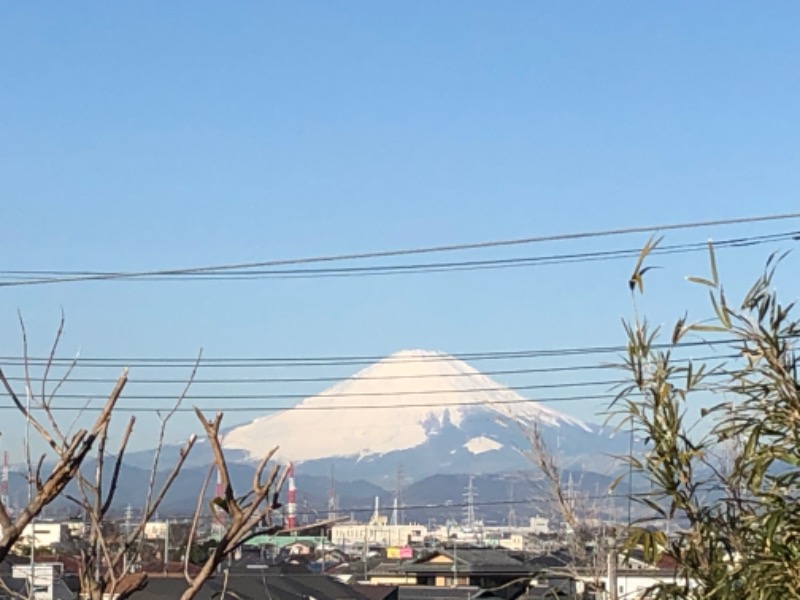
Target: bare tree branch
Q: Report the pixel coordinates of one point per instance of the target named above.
(243, 513)
(70, 455)
(96, 499)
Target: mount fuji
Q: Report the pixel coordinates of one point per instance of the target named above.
(427, 411)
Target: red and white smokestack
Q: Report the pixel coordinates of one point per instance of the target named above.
(4, 482)
(218, 491)
(291, 505)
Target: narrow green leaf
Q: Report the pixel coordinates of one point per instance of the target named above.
(713, 260)
(701, 281)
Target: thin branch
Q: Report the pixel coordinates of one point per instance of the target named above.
(70, 457)
(162, 430)
(5, 519)
(27, 414)
(51, 357)
(148, 514)
(244, 513)
(78, 415)
(195, 520)
(118, 465)
(64, 378)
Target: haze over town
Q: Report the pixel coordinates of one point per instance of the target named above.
(396, 240)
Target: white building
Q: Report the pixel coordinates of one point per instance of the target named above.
(632, 583)
(346, 534)
(76, 529)
(43, 578)
(44, 534)
(514, 541)
(540, 525)
(155, 530)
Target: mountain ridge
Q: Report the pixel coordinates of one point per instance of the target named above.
(395, 404)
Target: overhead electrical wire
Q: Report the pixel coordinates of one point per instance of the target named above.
(232, 267)
(473, 265)
(325, 408)
(343, 360)
(281, 380)
(153, 409)
(396, 394)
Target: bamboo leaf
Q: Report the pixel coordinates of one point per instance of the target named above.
(707, 328)
(700, 280)
(713, 261)
(635, 280)
(678, 331)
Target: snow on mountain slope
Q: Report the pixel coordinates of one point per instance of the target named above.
(395, 404)
(481, 444)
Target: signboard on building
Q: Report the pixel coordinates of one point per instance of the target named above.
(396, 553)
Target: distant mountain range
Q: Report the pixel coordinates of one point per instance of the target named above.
(430, 413)
(427, 415)
(438, 497)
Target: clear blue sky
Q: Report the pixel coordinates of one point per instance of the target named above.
(151, 134)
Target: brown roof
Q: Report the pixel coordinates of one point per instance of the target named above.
(71, 564)
(666, 562)
(172, 568)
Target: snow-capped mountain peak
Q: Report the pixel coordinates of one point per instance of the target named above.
(396, 404)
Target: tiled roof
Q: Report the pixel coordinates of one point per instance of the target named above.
(423, 592)
(475, 560)
(257, 587)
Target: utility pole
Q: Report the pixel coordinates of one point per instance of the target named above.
(613, 592)
(365, 554)
(400, 494)
(455, 562)
(166, 546)
(322, 547)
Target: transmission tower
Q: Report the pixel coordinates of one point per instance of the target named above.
(469, 496)
(512, 513)
(399, 496)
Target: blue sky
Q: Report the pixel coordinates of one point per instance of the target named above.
(151, 135)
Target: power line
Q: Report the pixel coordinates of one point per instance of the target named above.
(390, 394)
(23, 277)
(402, 393)
(399, 252)
(345, 360)
(328, 408)
(446, 376)
(281, 380)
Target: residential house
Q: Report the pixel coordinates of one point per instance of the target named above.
(40, 581)
(485, 569)
(257, 586)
